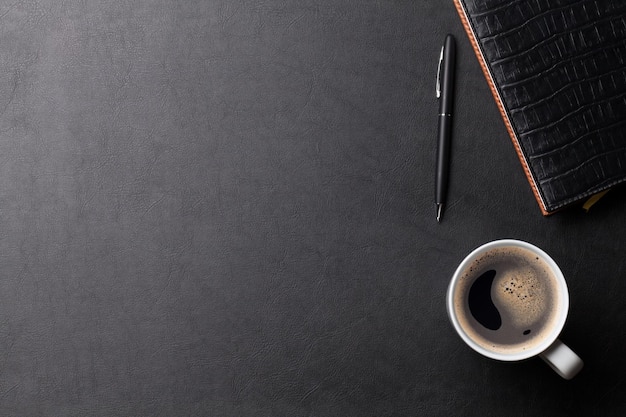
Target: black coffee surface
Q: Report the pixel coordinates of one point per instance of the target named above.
(480, 303)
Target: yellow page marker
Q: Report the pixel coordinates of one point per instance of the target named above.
(593, 200)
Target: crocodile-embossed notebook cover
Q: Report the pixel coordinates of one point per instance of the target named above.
(557, 69)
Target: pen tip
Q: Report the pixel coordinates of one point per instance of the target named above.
(439, 212)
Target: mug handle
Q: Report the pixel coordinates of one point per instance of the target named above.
(562, 359)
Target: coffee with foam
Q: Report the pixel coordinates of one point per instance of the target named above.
(507, 300)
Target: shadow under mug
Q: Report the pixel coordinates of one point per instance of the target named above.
(554, 352)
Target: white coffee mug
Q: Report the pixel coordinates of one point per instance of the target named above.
(548, 292)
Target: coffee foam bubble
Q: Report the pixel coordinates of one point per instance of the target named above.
(521, 292)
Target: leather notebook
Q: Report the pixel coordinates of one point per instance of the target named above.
(557, 70)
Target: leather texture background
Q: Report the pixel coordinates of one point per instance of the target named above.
(225, 208)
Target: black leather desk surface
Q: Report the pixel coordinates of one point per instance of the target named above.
(225, 208)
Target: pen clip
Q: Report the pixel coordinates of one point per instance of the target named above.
(438, 86)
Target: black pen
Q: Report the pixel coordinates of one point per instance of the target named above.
(445, 94)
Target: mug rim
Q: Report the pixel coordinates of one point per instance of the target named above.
(564, 307)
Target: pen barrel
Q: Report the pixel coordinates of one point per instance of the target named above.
(443, 157)
(446, 104)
